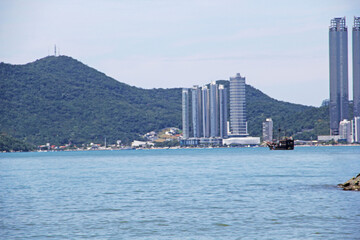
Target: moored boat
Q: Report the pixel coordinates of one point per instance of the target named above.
(284, 144)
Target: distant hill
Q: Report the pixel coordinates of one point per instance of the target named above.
(8, 143)
(61, 100)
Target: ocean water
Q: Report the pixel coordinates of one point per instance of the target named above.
(237, 193)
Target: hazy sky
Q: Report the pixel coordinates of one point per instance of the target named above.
(280, 46)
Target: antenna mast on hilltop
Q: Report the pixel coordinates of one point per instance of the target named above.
(55, 50)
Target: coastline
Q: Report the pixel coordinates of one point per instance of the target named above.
(178, 147)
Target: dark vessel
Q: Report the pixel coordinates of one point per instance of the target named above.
(287, 143)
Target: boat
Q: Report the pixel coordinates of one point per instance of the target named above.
(284, 144)
(287, 143)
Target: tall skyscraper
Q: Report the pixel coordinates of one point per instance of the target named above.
(356, 65)
(238, 124)
(185, 113)
(196, 111)
(338, 63)
(223, 111)
(268, 130)
(214, 111)
(205, 112)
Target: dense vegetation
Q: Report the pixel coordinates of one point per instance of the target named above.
(60, 100)
(8, 144)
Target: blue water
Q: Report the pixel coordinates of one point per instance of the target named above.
(238, 193)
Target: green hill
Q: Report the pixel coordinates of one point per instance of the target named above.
(8, 144)
(60, 100)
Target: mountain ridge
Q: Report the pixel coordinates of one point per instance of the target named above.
(60, 100)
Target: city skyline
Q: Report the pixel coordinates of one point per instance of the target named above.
(281, 46)
(217, 130)
(208, 112)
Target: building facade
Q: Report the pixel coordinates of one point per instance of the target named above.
(345, 130)
(238, 124)
(185, 113)
(356, 65)
(223, 111)
(338, 64)
(355, 124)
(205, 112)
(268, 130)
(214, 110)
(196, 111)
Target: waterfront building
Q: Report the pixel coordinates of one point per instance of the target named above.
(328, 138)
(238, 124)
(214, 111)
(252, 141)
(205, 112)
(355, 124)
(338, 64)
(345, 130)
(196, 111)
(211, 141)
(137, 144)
(356, 65)
(185, 113)
(268, 130)
(190, 142)
(223, 111)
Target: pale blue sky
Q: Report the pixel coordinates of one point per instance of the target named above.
(280, 46)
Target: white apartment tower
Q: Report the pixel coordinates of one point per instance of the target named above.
(214, 111)
(185, 113)
(223, 111)
(268, 130)
(238, 124)
(345, 130)
(205, 111)
(196, 111)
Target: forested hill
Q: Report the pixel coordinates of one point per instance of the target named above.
(61, 100)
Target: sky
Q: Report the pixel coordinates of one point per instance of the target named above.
(280, 46)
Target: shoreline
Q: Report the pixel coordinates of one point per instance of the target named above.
(178, 147)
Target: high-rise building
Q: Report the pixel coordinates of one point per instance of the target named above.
(214, 111)
(185, 113)
(223, 111)
(209, 115)
(355, 125)
(345, 130)
(338, 64)
(238, 124)
(268, 130)
(205, 112)
(356, 65)
(196, 111)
